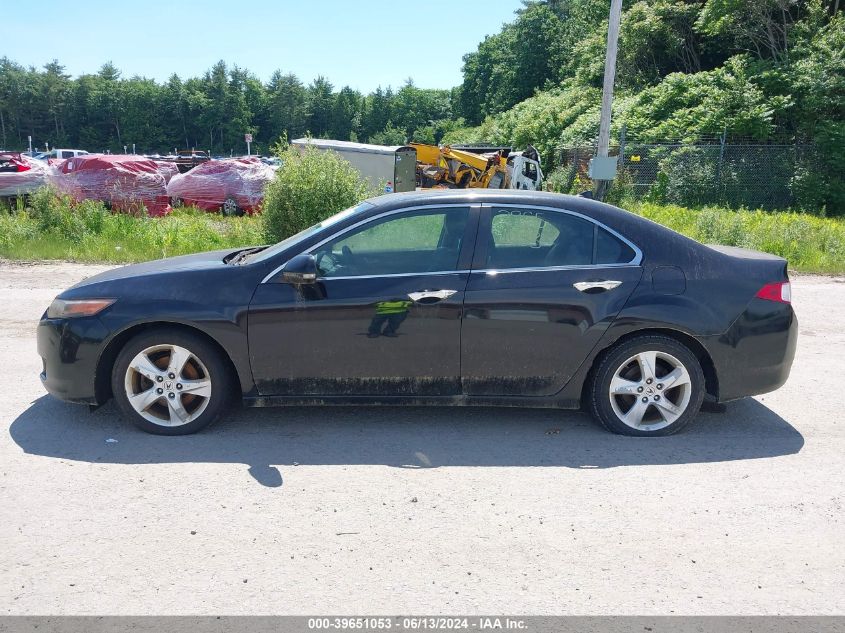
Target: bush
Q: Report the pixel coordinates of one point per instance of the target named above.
(692, 177)
(560, 179)
(310, 186)
(621, 189)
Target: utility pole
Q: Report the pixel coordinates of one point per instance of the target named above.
(603, 168)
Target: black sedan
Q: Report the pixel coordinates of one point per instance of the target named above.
(449, 297)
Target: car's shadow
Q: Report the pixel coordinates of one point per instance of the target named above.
(416, 437)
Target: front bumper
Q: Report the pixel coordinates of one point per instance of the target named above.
(70, 350)
(755, 355)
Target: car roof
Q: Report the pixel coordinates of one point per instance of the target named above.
(578, 204)
(424, 196)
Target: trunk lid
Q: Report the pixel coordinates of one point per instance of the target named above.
(757, 265)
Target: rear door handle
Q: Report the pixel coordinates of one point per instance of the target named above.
(596, 286)
(430, 296)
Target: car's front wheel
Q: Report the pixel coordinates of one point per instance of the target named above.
(230, 208)
(648, 385)
(171, 382)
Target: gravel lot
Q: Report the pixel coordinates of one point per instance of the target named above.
(291, 511)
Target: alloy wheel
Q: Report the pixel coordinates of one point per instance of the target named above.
(230, 207)
(650, 391)
(168, 385)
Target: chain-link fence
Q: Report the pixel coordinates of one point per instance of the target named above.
(733, 175)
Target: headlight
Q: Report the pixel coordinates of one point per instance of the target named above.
(66, 308)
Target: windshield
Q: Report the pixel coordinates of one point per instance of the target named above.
(305, 234)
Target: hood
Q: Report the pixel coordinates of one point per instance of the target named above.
(197, 262)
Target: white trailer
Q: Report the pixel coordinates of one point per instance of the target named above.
(392, 167)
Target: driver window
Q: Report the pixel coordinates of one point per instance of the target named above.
(420, 241)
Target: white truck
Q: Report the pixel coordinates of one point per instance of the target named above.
(61, 154)
(392, 168)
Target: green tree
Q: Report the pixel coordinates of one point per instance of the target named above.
(320, 106)
(12, 77)
(346, 114)
(390, 135)
(509, 66)
(54, 91)
(286, 107)
(761, 27)
(377, 111)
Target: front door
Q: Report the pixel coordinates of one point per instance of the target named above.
(383, 319)
(545, 286)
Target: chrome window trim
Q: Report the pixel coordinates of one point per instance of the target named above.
(436, 273)
(638, 254)
(502, 271)
(451, 205)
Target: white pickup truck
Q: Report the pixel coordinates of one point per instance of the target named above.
(60, 154)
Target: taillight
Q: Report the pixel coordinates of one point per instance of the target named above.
(780, 291)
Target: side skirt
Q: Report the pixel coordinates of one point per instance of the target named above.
(416, 401)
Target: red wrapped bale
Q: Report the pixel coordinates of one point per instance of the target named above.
(167, 169)
(125, 183)
(234, 185)
(21, 175)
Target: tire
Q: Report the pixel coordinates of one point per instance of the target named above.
(642, 404)
(230, 208)
(201, 390)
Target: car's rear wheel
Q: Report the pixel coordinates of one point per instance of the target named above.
(230, 208)
(647, 386)
(171, 382)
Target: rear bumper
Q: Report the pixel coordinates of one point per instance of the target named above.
(755, 355)
(70, 350)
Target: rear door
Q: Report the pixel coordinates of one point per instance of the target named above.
(545, 285)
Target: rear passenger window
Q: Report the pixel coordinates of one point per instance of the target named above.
(611, 250)
(522, 228)
(535, 238)
(529, 238)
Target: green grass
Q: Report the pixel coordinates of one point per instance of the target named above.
(52, 228)
(811, 244)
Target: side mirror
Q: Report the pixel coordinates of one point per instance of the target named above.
(300, 270)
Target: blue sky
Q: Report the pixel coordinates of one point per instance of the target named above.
(362, 43)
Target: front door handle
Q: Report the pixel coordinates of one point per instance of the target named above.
(430, 296)
(596, 286)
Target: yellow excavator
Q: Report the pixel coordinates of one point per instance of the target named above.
(450, 167)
